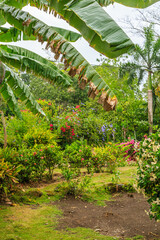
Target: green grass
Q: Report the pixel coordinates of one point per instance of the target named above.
(96, 192)
(38, 219)
(39, 223)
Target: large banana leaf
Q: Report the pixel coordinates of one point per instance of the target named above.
(13, 84)
(95, 25)
(129, 3)
(31, 62)
(71, 57)
(105, 3)
(9, 97)
(13, 34)
(137, 3)
(15, 3)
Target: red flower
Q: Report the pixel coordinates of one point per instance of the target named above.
(42, 157)
(73, 134)
(63, 129)
(82, 159)
(51, 129)
(77, 106)
(35, 164)
(52, 146)
(51, 125)
(21, 155)
(66, 117)
(71, 137)
(34, 153)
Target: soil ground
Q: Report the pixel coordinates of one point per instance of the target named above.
(123, 217)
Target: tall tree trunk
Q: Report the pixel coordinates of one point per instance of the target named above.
(150, 103)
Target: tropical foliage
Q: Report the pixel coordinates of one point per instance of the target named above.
(149, 172)
(79, 137)
(109, 40)
(145, 61)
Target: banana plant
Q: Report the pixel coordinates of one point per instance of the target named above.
(88, 17)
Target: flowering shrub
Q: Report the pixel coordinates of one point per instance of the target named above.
(52, 156)
(35, 162)
(148, 158)
(129, 150)
(79, 154)
(108, 132)
(68, 123)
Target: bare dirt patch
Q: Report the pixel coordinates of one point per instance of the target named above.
(125, 216)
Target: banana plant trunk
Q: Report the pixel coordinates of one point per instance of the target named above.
(150, 103)
(4, 129)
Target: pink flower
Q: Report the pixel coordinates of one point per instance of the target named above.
(42, 157)
(52, 146)
(41, 150)
(80, 150)
(77, 106)
(82, 159)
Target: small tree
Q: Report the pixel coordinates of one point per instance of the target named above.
(146, 60)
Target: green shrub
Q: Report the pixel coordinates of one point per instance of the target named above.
(108, 156)
(75, 184)
(52, 156)
(37, 136)
(79, 154)
(8, 173)
(35, 162)
(148, 159)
